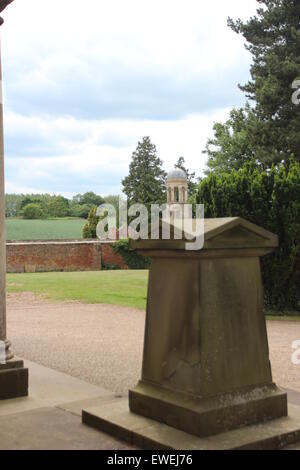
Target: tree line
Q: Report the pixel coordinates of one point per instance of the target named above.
(42, 206)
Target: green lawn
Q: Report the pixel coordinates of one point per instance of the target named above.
(127, 288)
(48, 229)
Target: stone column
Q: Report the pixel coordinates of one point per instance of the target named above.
(182, 194)
(2, 232)
(172, 194)
(13, 375)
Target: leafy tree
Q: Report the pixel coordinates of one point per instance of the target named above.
(145, 183)
(13, 204)
(267, 131)
(76, 199)
(91, 199)
(273, 39)
(230, 147)
(80, 210)
(59, 207)
(113, 200)
(116, 201)
(81, 204)
(28, 200)
(42, 200)
(33, 211)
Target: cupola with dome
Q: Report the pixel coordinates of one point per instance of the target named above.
(177, 187)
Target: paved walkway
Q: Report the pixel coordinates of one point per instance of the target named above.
(102, 344)
(50, 418)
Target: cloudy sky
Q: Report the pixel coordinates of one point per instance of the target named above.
(85, 80)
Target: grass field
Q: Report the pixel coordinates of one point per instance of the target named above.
(128, 288)
(19, 229)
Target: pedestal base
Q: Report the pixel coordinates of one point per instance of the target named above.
(116, 420)
(13, 380)
(209, 415)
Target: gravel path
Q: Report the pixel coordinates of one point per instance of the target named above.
(103, 344)
(281, 335)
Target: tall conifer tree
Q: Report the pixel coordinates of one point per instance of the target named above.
(267, 131)
(146, 181)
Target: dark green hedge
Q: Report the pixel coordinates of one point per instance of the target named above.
(131, 257)
(270, 199)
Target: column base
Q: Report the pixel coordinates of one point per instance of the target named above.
(208, 415)
(13, 380)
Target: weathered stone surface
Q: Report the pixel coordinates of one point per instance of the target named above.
(230, 233)
(206, 365)
(146, 433)
(205, 328)
(210, 415)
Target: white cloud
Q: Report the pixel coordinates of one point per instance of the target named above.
(166, 32)
(84, 81)
(96, 162)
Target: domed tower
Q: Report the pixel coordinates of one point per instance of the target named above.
(177, 187)
(177, 191)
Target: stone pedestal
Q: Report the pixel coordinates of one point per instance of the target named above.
(206, 378)
(206, 365)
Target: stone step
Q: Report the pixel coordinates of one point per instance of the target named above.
(116, 420)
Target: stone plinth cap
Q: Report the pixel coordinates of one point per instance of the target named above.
(232, 233)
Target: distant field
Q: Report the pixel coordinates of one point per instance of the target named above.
(19, 229)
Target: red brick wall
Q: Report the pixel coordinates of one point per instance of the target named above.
(109, 257)
(53, 256)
